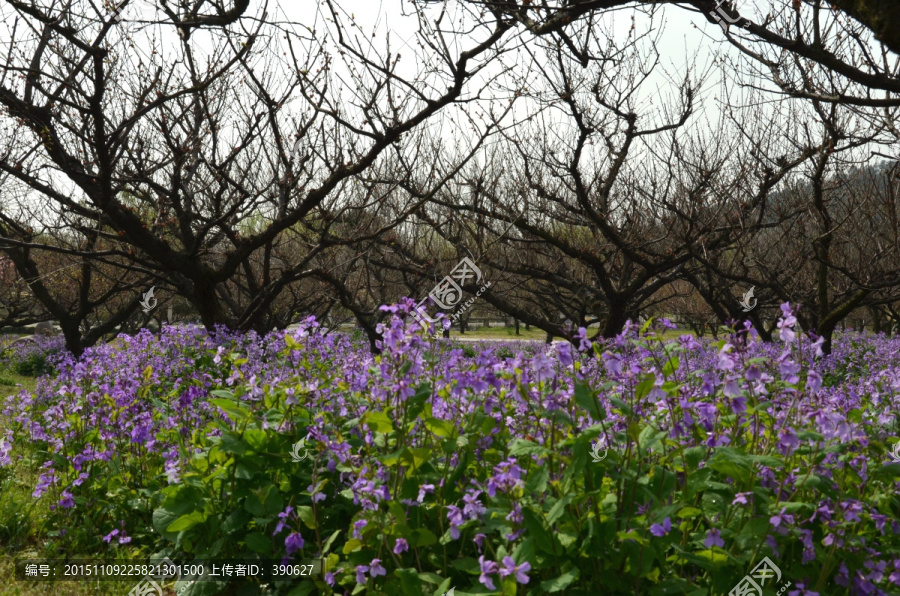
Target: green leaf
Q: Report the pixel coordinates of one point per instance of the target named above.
(265, 501)
(422, 537)
(619, 403)
(416, 403)
(441, 428)
(694, 455)
(186, 521)
(330, 541)
(715, 557)
(258, 543)
(632, 535)
(306, 515)
(236, 520)
(352, 545)
(731, 463)
(378, 421)
(671, 366)
(689, 512)
(257, 439)
(537, 481)
(535, 526)
(162, 519)
(560, 583)
(230, 442)
(519, 447)
(409, 582)
(584, 398)
(643, 388)
(235, 411)
(558, 509)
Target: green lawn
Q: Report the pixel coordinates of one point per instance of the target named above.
(534, 333)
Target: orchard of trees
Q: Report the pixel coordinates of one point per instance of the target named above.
(256, 167)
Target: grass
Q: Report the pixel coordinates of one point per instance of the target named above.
(535, 334)
(500, 333)
(20, 520)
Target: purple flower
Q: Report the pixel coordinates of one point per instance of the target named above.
(542, 367)
(479, 541)
(809, 549)
(316, 496)
(361, 573)
(293, 543)
(454, 514)
(423, 490)
(661, 530)
(802, 591)
(510, 567)
(713, 538)
(488, 568)
(282, 520)
(787, 441)
(140, 434)
(376, 569)
(741, 499)
(67, 502)
(400, 545)
(782, 518)
(358, 525)
(5, 448)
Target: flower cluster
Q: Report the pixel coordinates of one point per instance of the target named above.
(437, 463)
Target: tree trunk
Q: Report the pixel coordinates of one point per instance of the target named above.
(72, 333)
(207, 304)
(516, 322)
(615, 321)
(827, 334)
(877, 320)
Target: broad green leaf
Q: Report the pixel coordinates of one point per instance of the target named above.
(560, 583)
(536, 528)
(258, 543)
(643, 388)
(584, 398)
(409, 582)
(306, 515)
(416, 403)
(379, 421)
(519, 447)
(441, 428)
(186, 521)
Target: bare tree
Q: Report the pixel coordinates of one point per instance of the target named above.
(218, 148)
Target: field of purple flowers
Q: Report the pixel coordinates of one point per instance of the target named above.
(635, 466)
